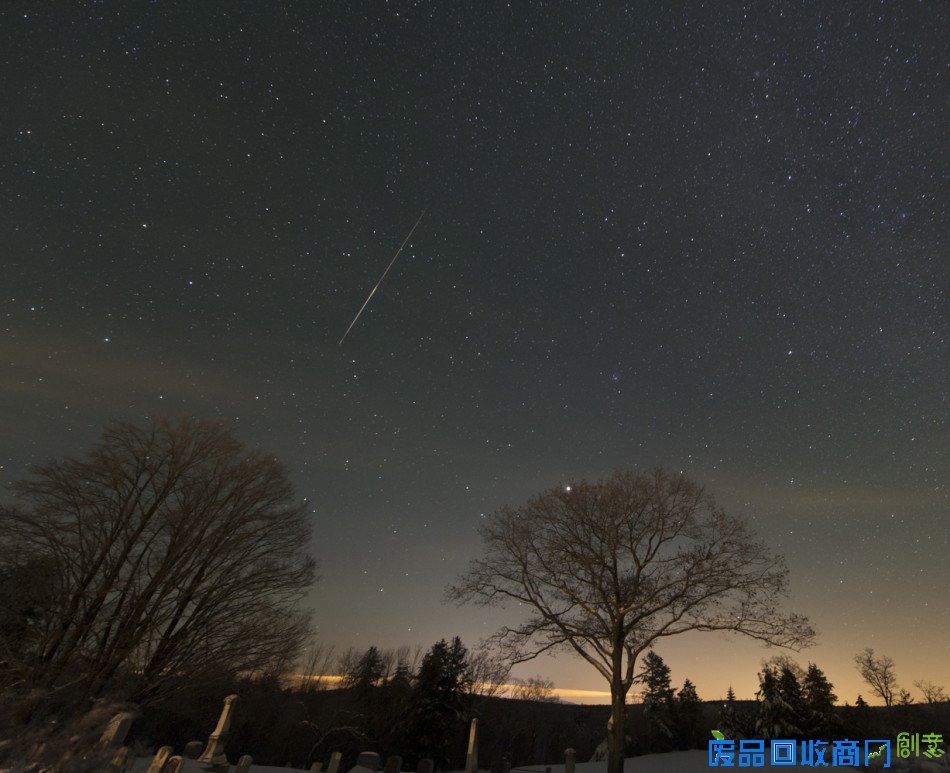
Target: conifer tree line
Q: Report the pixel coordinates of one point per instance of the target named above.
(418, 706)
(792, 703)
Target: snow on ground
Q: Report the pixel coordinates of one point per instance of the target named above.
(674, 762)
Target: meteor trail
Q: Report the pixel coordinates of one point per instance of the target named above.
(373, 291)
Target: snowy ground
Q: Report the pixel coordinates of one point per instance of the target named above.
(675, 762)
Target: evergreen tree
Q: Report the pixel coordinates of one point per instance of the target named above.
(439, 699)
(767, 696)
(857, 720)
(402, 675)
(729, 724)
(820, 720)
(790, 690)
(367, 671)
(781, 707)
(656, 677)
(688, 711)
(443, 674)
(658, 702)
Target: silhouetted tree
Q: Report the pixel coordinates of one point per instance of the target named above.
(857, 720)
(777, 662)
(734, 722)
(439, 698)
(819, 700)
(658, 702)
(688, 714)
(366, 672)
(402, 676)
(487, 672)
(933, 693)
(878, 672)
(535, 688)
(172, 552)
(608, 568)
(314, 665)
(781, 708)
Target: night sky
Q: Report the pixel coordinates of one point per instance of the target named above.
(711, 236)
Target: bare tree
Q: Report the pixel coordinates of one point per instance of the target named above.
(487, 672)
(878, 672)
(778, 662)
(348, 660)
(933, 693)
(174, 552)
(608, 568)
(408, 658)
(314, 665)
(535, 688)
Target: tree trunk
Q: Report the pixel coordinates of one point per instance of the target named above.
(616, 725)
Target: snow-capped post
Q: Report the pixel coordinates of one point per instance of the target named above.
(159, 760)
(368, 760)
(570, 757)
(214, 756)
(174, 764)
(244, 764)
(334, 765)
(471, 759)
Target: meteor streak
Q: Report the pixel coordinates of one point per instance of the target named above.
(373, 291)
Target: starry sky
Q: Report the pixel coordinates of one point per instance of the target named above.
(706, 235)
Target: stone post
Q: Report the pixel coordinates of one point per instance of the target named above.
(334, 766)
(393, 764)
(213, 755)
(174, 764)
(244, 764)
(369, 760)
(161, 757)
(471, 759)
(316, 767)
(122, 761)
(118, 728)
(192, 750)
(570, 757)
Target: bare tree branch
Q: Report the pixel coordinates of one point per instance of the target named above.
(175, 549)
(878, 672)
(608, 568)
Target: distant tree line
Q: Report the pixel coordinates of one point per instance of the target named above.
(791, 703)
(799, 704)
(164, 570)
